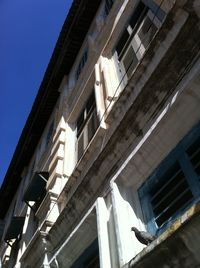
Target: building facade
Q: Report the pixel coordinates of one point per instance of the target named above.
(112, 142)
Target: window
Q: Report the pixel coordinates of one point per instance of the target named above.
(87, 124)
(89, 258)
(193, 153)
(174, 186)
(49, 133)
(81, 64)
(139, 32)
(107, 7)
(2, 225)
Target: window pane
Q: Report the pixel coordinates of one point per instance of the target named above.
(93, 263)
(92, 125)
(137, 35)
(90, 103)
(49, 133)
(170, 194)
(180, 202)
(138, 13)
(130, 61)
(194, 155)
(122, 42)
(81, 64)
(80, 145)
(87, 124)
(108, 6)
(147, 31)
(80, 123)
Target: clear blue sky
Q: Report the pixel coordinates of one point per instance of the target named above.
(28, 33)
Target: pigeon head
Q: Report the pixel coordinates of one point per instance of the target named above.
(134, 229)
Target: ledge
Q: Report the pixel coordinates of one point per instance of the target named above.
(35, 249)
(176, 247)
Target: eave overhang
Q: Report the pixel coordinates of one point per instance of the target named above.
(69, 43)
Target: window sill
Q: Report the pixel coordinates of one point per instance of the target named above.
(177, 242)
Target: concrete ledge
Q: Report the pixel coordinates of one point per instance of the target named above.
(176, 247)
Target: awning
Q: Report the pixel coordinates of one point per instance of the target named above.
(36, 187)
(15, 228)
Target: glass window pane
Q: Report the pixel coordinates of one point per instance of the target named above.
(130, 61)
(147, 31)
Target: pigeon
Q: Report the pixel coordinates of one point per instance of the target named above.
(144, 237)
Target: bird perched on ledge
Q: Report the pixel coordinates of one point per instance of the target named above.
(143, 237)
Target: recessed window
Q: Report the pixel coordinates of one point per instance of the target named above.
(107, 7)
(174, 186)
(193, 153)
(170, 194)
(87, 124)
(49, 133)
(89, 258)
(140, 30)
(81, 64)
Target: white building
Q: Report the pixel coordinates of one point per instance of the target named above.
(112, 142)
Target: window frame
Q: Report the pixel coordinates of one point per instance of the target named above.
(81, 64)
(129, 41)
(178, 154)
(88, 256)
(49, 133)
(87, 115)
(107, 6)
